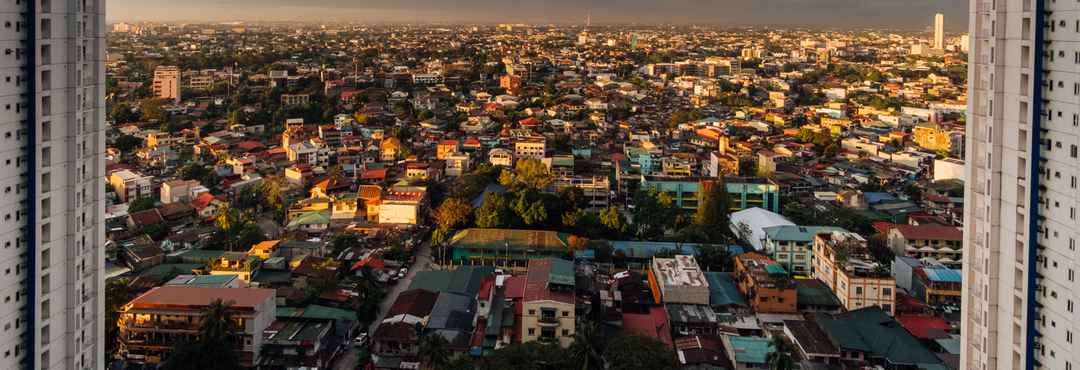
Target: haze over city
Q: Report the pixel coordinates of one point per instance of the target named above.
(911, 14)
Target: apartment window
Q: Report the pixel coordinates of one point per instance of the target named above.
(858, 290)
(45, 309)
(46, 156)
(44, 359)
(532, 331)
(45, 258)
(44, 336)
(46, 207)
(46, 131)
(886, 292)
(46, 232)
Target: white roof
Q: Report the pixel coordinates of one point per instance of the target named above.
(757, 219)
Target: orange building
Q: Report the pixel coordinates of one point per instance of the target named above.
(511, 83)
(765, 284)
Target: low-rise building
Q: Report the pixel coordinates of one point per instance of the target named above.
(842, 261)
(678, 280)
(402, 205)
(942, 243)
(130, 185)
(547, 313)
(152, 324)
(792, 246)
(765, 284)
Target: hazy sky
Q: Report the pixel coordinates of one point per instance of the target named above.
(887, 13)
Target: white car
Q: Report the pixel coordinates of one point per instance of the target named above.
(361, 340)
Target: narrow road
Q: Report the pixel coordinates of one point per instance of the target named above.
(348, 359)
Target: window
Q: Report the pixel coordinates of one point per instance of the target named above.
(886, 292)
(532, 331)
(858, 290)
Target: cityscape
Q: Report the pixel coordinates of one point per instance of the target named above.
(870, 185)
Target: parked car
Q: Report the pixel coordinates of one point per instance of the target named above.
(360, 341)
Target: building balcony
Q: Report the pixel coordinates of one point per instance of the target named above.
(548, 321)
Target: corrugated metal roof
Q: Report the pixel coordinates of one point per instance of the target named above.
(945, 275)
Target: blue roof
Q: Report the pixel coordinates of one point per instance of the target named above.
(646, 249)
(875, 198)
(775, 270)
(943, 275)
(723, 291)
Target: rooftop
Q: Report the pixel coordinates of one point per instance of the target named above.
(679, 271)
(173, 296)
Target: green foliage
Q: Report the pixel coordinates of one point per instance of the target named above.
(614, 222)
(654, 213)
(123, 113)
(434, 351)
(213, 347)
(713, 211)
(127, 143)
(203, 174)
(531, 212)
(152, 109)
(495, 212)
(141, 204)
(528, 356)
(117, 294)
(635, 352)
(452, 213)
(528, 174)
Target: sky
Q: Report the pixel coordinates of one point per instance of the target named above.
(910, 14)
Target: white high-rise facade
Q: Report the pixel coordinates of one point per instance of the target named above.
(52, 184)
(1021, 261)
(939, 31)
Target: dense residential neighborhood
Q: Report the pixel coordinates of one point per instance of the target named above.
(338, 196)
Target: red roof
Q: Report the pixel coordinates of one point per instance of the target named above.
(515, 287)
(924, 327)
(376, 174)
(931, 232)
(883, 226)
(371, 261)
(249, 145)
(653, 324)
(536, 284)
(187, 296)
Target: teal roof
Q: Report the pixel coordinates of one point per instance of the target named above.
(562, 272)
(797, 233)
(942, 275)
(775, 269)
(751, 350)
(201, 255)
(310, 218)
(211, 280)
(723, 291)
(872, 331)
(165, 270)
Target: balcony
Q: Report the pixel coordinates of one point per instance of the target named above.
(548, 321)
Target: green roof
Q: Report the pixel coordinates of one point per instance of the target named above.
(165, 270)
(200, 255)
(723, 291)
(562, 272)
(509, 238)
(465, 280)
(872, 331)
(316, 312)
(310, 218)
(814, 293)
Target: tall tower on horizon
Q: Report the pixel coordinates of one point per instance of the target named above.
(939, 31)
(1021, 200)
(53, 232)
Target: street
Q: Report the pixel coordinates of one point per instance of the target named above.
(348, 359)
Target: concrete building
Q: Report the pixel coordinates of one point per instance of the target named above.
(678, 280)
(153, 323)
(1020, 230)
(842, 261)
(167, 83)
(532, 147)
(129, 185)
(793, 246)
(180, 191)
(765, 284)
(547, 313)
(942, 243)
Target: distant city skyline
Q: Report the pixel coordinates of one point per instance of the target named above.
(911, 14)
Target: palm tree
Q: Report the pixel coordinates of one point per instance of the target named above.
(780, 358)
(218, 325)
(584, 348)
(213, 348)
(434, 352)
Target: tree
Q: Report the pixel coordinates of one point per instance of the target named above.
(636, 352)
(713, 210)
(495, 212)
(613, 221)
(434, 352)
(127, 143)
(117, 294)
(141, 204)
(529, 174)
(528, 356)
(654, 212)
(780, 358)
(213, 348)
(152, 110)
(452, 213)
(585, 348)
(122, 113)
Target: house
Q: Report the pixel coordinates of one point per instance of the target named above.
(942, 243)
(750, 224)
(842, 261)
(402, 205)
(869, 337)
(792, 246)
(141, 253)
(548, 303)
(152, 324)
(747, 352)
(180, 191)
(397, 338)
(765, 284)
(130, 185)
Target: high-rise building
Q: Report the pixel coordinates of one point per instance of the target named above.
(53, 232)
(167, 83)
(939, 31)
(1021, 229)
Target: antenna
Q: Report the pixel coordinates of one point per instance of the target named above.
(588, 18)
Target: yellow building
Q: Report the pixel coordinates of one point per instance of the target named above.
(934, 137)
(547, 313)
(263, 250)
(842, 261)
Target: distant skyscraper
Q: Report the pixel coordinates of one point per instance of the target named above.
(939, 31)
(1021, 201)
(53, 232)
